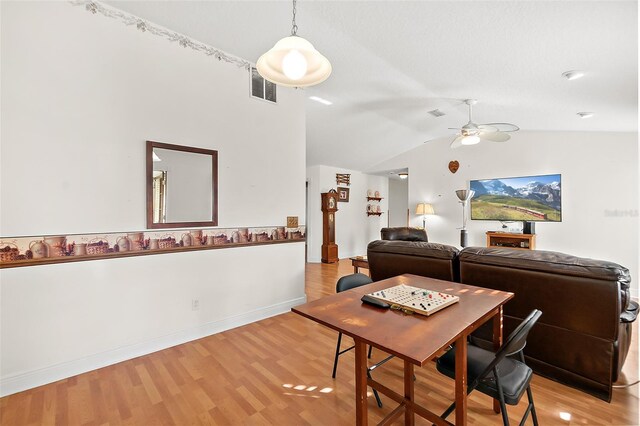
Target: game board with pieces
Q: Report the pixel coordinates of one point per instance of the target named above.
(418, 300)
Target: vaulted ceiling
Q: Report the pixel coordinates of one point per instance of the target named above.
(393, 61)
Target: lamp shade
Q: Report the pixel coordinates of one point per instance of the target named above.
(424, 209)
(465, 195)
(294, 62)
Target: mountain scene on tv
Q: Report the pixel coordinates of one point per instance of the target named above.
(531, 198)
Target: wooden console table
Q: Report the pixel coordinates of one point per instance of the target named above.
(514, 241)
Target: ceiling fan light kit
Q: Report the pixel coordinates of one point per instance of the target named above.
(472, 133)
(293, 61)
(470, 140)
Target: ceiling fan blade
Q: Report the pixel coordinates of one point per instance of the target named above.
(487, 128)
(503, 127)
(457, 142)
(495, 136)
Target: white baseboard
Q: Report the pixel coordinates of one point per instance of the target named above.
(31, 379)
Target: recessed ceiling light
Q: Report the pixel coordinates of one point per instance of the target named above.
(585, 114)
(573, 75)
(322, 101)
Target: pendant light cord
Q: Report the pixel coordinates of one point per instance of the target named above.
(294, 27)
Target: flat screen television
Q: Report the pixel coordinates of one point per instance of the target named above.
(526, 198)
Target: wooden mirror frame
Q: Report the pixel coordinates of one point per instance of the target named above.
(214, 185)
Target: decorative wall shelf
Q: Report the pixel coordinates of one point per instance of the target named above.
(374, 213)
(374, 198)
(32, 251)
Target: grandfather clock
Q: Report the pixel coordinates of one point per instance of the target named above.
(329, 209)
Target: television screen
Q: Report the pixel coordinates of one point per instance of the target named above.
(527, 198)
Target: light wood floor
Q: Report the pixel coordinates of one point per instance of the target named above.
(277, 372)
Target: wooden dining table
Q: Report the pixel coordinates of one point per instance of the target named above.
(416, 339)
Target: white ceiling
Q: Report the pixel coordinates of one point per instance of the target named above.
(393, 61)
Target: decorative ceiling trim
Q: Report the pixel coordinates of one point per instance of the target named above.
(144, 26)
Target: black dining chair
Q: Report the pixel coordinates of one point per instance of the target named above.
(347, 283)
(495, 374)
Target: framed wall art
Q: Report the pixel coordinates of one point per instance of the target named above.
(343, 194)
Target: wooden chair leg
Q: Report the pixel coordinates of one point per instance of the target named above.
(370, 349)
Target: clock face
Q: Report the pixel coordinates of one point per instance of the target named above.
(332, 202)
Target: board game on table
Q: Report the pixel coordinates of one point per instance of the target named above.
(416, 299)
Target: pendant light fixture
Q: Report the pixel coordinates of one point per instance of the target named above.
(293, 61)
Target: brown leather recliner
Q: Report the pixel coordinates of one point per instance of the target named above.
(584, 334)
(404, 234)
(406, 251)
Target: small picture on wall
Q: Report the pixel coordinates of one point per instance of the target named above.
(343, 194)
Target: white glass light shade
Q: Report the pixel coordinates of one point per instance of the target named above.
(282, 66)
(294, 65)
(470, 140)
(424, 209)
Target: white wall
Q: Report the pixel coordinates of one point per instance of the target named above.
(599, 178)
(398, 202)
(354, 229)
(80, 95)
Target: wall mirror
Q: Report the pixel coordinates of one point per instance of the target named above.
(182, 186)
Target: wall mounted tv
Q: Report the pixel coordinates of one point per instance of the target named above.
(526, 198)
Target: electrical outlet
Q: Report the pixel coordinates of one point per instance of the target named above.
(195, 304)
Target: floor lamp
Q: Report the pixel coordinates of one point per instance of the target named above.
(424, 209)
(464, 195)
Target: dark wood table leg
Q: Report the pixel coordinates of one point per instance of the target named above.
(497, 342)
(355, 269)
(361, 382)
(461, 381)
(409, 417)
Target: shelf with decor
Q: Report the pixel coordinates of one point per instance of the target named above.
(374, 213)
(512, 241)
(374, 198)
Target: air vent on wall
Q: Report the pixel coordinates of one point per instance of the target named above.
(261, 88)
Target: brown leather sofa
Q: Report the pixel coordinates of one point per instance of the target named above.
(583, 336)
(407, 251)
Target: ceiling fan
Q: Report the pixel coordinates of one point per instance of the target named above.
(472, 133)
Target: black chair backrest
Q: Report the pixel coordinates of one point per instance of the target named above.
(515, 342)
(352, 281)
